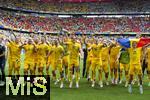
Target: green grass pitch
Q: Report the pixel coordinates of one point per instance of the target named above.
(86, 92)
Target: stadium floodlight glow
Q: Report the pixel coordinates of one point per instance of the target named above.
(91, 16)
(64, 16)
(118, 16)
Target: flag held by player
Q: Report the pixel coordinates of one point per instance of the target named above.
(125, 42)
(143, 41)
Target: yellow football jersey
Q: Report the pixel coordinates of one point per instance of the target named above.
(58, 52)
(74, 50)
(14, 50)
(52, 55)
(148, 55)
(135, 55)
(114, 52)
(42, 50)
(89, 51)
(35, 54)
(66, 50)
(49, 50)
(29, 52)
(96, 49)
(104, 53)
(69, 45)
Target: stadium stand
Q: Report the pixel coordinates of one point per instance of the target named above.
(52, 24)
(98, 7)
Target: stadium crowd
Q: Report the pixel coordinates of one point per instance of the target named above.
(73, 24)
(59, 56)
(101, 7)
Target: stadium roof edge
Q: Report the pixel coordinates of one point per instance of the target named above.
(75, 14)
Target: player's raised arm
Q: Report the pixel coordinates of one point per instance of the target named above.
(145, 46)
(13, 34)
(81, 52)
(22, 45)
(8, 39)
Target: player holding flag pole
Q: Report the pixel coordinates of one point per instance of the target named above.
(135, 52)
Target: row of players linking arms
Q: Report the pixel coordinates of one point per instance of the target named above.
(64, 54)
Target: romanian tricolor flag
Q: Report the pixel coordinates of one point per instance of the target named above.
(143, 41)
(126, 42)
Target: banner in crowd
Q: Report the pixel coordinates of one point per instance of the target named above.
(77, 1)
